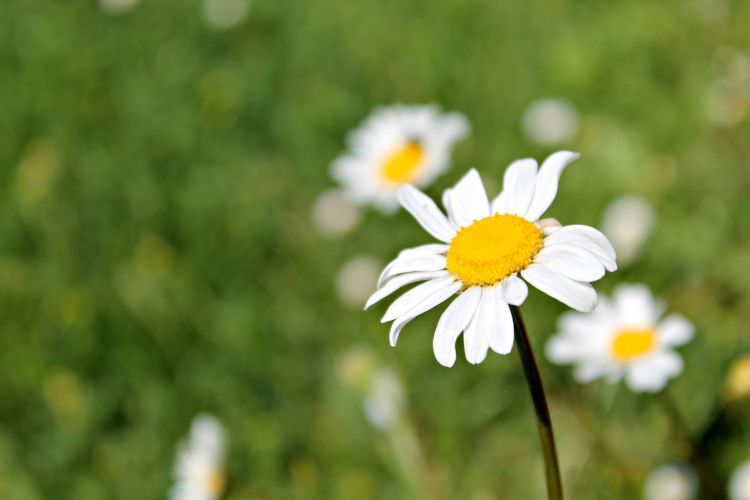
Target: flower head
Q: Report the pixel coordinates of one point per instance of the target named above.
(739, 483)
(199, 471)
(623, 337)
(486, 248)
(671, 482)
(397, 145)
(628, 223)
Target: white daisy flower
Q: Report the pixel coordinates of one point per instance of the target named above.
(739, 483)
(550, 122)
(384, 401)
(671, 482)
(484, 248)
(199, 471)
(628, 223)
(397, 145)
(356, 279)
(623, 337)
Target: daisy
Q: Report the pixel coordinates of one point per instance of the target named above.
(623, 337)
(199, 472)
(397, 145)
(739, 484)
(485, 249)
(671, 482)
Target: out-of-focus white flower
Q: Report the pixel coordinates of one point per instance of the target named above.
(397, 145)
(728, 99)
(623, 337)
(485, 249)
(333, 214)
(550, 122)
(385, 399)
(117, 6)
(671, 482)
(712, 11)
(223, 14)
(355, 366)
(199, 471)
(628, 223)
(739, 484)
(356, 280)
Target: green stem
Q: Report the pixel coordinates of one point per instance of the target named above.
(543, 420)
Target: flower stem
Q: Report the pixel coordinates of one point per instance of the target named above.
(706, 477)
(543, 420)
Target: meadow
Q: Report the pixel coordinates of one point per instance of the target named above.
(159, 257)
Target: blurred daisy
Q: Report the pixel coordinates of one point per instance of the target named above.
(385, 399)
(628, 223)
(484, 248)
(224, 14)
(356, 280)
(739, 483)
(671, 482)
(333, 214)
(623, 337)
(117, 6)
(199, 472)
(397, 145)
(550, 122)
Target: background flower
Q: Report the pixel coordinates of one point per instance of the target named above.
(623, 337)
(397, 145)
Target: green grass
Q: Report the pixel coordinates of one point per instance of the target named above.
(157, 258)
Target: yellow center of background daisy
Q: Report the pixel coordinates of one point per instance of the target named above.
(493, 248)
(631, 344)
(215, 482)
(402, 166)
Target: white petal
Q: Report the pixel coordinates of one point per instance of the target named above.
(447, 203)
(515, 290)
(452, 322)
(425, 212)
(400, 281)
(468, 199)
(495, 321)
(410, 264)
(580, 296)
(578, 265)
(413, 297)
(500, 204)
(433, 300)
(475, 344)
(636, 306)
(576, 244)
(675, 330)
(546, 182)
(652, 373)
(518, 184)
(562, 349)
(579, 231)
(588, 371)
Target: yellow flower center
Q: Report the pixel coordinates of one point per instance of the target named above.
(402, 166)
(215, 482)
(493, 248)
(631, 344)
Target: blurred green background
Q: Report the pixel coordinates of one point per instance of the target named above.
(157, 257)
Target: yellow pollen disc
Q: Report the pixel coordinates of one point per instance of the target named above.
(402, 166)
(631, 344)
(215, 482)
(493, 248)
